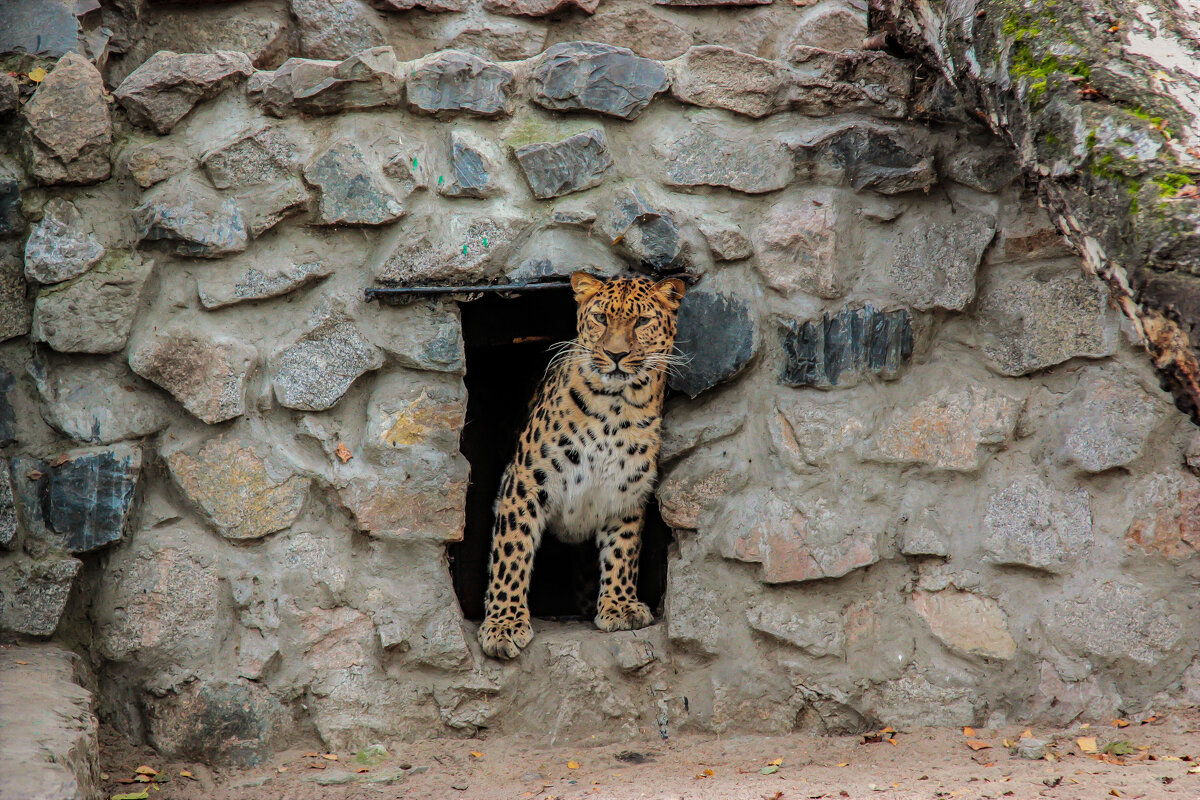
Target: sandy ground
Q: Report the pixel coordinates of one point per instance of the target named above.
(922, 763)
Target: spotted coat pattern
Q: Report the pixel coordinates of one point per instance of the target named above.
(587, 459)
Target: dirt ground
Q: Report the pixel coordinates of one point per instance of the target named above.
(1156, 758)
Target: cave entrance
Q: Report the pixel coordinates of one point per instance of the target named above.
(507, 343)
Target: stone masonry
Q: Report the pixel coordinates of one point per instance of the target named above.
(915, 468)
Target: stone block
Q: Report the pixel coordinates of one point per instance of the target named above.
(8, 416)
(494, 37)
(260, 154)
(1106, 423)
(588, 76)
(985, 169)
(421, 503)
(538, 8)
(155, 162)
(947, 430)
(207, 375)
(807, 430)
(816, 635)
(9, 94)
(824, 82)
(265, 206)
(967, 623)
(68, 129)
(913, 700)
(726, 242)
(1117, 621)
(685, 494)
(717, 336)
(882, 159)
(94, 312)
(194, 220)
(1029, 236)
(792, 545)
(719, 77)
(61, 246)
(161, 92)
(1031, 524)
(423, 336)
(640, 230)
(460, 247)
(237, 723)
(98, 403)
(841, 348)
(1036, 322)
(33, 592)
(693, 610)
(645, 32)
(88, 496)
(1166, 515)
(253, 283)
(934, 264)
(242, 494)
(8, 509)
(712, 3)
(412, 411)
(474, 167)
(352, 189)
(451, 82)
(314, 372)
(370, 79)
(336, 29)
(832, 26)
(801, 246)
(556, 168)
(12, 214)
(15, 313)
(433, 6)
(632, 654)
(710, 159)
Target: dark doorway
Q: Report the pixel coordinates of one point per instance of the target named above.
(508, 347)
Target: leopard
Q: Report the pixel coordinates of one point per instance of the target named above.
(586, 461)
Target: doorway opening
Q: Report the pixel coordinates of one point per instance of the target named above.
(507, 344)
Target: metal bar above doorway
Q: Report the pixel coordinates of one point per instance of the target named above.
(400, 293)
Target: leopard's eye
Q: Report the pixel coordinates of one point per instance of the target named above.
(644, 321)
(601, 318)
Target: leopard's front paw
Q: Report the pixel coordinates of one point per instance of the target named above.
(623, 616)
(505, 638)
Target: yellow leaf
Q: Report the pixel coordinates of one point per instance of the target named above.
(1194, 771)
(777, 762)
(708, 773)
(329, 756)
(282, 769)
(474, 754)
(144, 770)
(572, 765)
(363, 769)
(1009, 743)
(844, 764)
(975, 744)
(1087, 744)
(1027, 733)
(183, 773)
(37, 75)
(1162, 76)
(1114, 792)
(1120, 723)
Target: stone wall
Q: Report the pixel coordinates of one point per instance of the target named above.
(916, 470)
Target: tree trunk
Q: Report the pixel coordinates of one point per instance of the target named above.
(1100, 99)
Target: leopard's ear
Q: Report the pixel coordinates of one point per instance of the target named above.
(669, 292)
(584, 286)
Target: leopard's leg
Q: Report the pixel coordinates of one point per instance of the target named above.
(506, 629)
(618, 608)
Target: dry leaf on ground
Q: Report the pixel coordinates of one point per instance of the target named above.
(975, 744)
(1087, 744)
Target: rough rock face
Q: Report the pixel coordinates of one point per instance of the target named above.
(69, 133)
(93, 313)
(192, 218)
(162, 91)
(60, 247)
(586, 76)
(208, 376)
(556, 168)
(352, 188)
(369, 79)
(313, 373)
(459, 82)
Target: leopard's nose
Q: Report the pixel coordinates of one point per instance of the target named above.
(615, 355)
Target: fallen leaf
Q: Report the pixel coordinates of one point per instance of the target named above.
(1164, 77)
(708, 773)
(329, 756)
(1052, 782)
(363, 769)
(315, 765)
(779, 794)
(1120, 723)
(1121, 748)
(343, 453)
(37, 74)
(844, 764)
(1189, 191)
(59, 461)
(1114, 793)
(145, 770)
(475, 754)
(968, 731)
(1026, 734)
(142, 779)
(1087, 744)
(975, 744)
(1194, 771)
(282, 769)
(143, 795)
(776, 763)
(183, 773)
(769, 770)
(572, 765)
(23, 663)
(311, 755)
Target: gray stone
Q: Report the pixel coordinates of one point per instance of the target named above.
(985, 169)
(265, 206)
(15, 312)
(100, 402)
(370, 79)
(815, 634)
(450, 82)
(352, 189)
(259, 284)
(8, 417)
(242, 494)
(1117, 621)
(57, 753)
(843, 347)
(68, 130)
(934, 265)
(822, 83)
(423, 336)
(336, 28)
(161, 92)
(192, 218)
(832, 26)
(726, 242)
(9, 94)
(315, 371)
(885, 160)
(556, 168)
(89, 496)
(718, 77)
(947, 430)
(462, 248)
(60, 246)
(33, 593)
(538, 8)
(12, 216)
(474, 167)
(716, 337)
(1035, 322)
(29, 490)
(1030, 748)
(8, 509)
(966, 622)
(260, 154)
(1031, 524)
(639, 230)
(50, 29)
(205, 374)
(711, 3)
(803, 245)
(632, 654)
(639, 28)
(494, 37)
(587, 76)
(708, 159)
(1106, 423)
(155, 162)
(913, 700)
(434, 6)
(235, 723)
(94, 312)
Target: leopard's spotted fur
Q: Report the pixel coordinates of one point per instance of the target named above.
(588, 457)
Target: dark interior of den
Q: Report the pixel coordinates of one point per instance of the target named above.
(508, 345)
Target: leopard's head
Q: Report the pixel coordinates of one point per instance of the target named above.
(626, 324)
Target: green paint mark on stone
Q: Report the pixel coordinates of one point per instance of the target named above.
(441, 179)
(464, 249)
